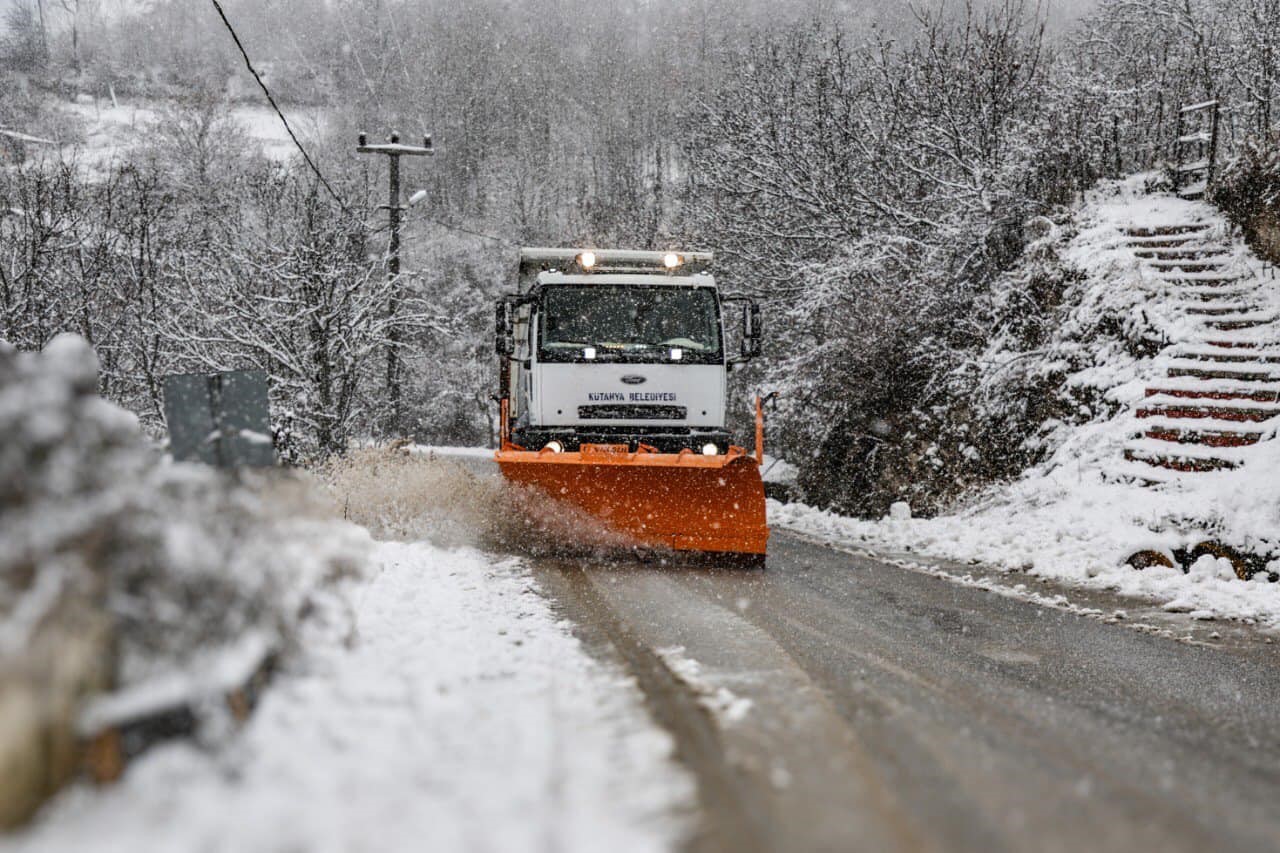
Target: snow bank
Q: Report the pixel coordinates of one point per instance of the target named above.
(461, 714)
(1080, 534)
(1082, 513)
(186, 561)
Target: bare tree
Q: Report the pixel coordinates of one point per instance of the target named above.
(24, 45)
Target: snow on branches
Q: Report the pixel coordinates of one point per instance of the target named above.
(255, 270)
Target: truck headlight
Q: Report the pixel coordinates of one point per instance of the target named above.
(554, 446)
(709, 449)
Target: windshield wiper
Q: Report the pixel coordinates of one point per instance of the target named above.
(682, 343)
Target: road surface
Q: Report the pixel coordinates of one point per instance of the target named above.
(938, 707)
(891, 709)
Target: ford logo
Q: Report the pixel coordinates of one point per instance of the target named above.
(633, 379)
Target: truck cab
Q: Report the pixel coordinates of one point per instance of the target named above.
(618, 347)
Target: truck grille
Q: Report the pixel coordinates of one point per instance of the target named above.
(633, 413)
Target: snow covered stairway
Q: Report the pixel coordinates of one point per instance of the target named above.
(1220, 393)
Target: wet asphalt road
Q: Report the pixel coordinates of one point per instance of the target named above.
(896, 710)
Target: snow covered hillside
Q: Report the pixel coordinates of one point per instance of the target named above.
(104, 130)
(1121, 483)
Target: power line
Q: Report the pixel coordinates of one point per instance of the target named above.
(275, 106)
(444, 224)
(307, 157)
(451, 227)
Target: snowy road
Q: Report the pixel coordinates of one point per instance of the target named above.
(834, 701)
(889, 708)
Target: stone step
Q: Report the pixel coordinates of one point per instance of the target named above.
(1215, 292)
(1244, 363)
(1125, 470)
(1213, 389)
(1194, 191)
(1240, 372)
(1243, 321)
(1204, 279)
(1205, 438)
(1228, 355)
(1233, 455)
(1263, 312)
(1140, 243)
(1226, 388)
(1163, 241)
(1237, 411)
(1187, 464)
(1176, 230)
(1181, 253)
(1217, 309)
(1201, 265)
(1238, 343)
(1206, 425)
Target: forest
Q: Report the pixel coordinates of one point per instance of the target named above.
(880, 185)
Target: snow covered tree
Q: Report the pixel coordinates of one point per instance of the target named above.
(869, 194)
(23, 45)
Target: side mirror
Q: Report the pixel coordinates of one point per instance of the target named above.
(503, 339)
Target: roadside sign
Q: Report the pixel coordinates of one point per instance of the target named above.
(220, 419)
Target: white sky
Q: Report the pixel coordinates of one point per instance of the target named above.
(1060, 11)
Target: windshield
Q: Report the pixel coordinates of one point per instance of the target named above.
(626, 322)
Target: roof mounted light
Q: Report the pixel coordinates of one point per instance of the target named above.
(534, 261)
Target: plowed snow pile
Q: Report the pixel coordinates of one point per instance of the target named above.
(1082, 513)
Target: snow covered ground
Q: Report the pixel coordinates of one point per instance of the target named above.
(1079, 516)
(1080, 536)
(459, 714)
(110, 127)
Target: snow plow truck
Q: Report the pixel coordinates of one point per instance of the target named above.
(612, 394)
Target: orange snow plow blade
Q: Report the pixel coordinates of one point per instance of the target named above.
(684, 501)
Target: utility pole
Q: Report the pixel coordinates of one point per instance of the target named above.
(44, 31)
(394, 150)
